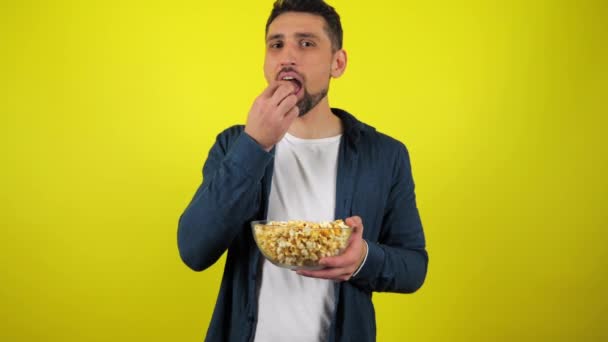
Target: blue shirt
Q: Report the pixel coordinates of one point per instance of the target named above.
(374, 181)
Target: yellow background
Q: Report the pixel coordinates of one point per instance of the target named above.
(108, 110)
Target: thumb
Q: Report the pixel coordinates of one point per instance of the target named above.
(356, 223)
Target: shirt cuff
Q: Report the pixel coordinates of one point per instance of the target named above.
(364, 259)
(249, 156)
(373, 263)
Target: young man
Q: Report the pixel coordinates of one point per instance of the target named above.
(297, 158)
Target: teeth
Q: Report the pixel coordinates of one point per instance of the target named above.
(288, 78)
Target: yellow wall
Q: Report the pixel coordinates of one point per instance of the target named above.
(108, 109)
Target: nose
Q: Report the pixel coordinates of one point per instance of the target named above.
(288, 55)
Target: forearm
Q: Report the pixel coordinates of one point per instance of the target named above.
(228, 197)
(392, 269)
(397, 261)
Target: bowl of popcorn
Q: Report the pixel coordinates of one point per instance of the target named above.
(300, 244)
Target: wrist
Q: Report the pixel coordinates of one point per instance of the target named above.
(258, 141)
(364, 252)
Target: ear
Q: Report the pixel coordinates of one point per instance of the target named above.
(338, 64)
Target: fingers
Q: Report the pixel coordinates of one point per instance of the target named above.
(284, 90)
(291, 115)
(348, 258)
(351, 253)
(288, 118)
(332, 273)
(287, 104)
(337, 261)
(355, 222)
(271, 114)
(269, 91)
(341, 267)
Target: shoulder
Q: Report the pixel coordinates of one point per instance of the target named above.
(228, 136)
(231, 132)
(379, 142)
(384, 154)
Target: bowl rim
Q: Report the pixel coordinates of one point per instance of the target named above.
(253, 223)
(287, 266)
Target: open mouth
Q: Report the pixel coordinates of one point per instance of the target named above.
(297, 83)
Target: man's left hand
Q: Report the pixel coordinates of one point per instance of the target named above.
(342, 267)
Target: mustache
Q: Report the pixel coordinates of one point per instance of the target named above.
(288, 69)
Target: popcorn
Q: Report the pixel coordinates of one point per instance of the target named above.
(301, 244)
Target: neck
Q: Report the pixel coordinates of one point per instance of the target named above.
(318, 123)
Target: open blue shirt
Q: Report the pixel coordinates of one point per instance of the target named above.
(374, 181)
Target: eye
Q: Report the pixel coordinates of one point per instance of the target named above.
(307, 43)
(276, 45)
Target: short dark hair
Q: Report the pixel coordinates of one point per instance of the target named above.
(317, 7)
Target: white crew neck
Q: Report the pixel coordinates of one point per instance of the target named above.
(293, 139)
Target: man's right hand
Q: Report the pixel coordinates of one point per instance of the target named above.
(272, 113)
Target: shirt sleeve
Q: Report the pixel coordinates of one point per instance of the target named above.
(227, 198)
(398, 261)
(363, 262)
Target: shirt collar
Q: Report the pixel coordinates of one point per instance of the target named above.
(352, 126)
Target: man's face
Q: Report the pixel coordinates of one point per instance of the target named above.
(298, 50)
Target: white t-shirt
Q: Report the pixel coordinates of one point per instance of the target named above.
(291, 307)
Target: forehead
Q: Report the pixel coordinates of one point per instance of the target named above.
(296, 22)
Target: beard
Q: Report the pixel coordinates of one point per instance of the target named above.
(309, 101)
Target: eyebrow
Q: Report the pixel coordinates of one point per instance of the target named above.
(297, 34)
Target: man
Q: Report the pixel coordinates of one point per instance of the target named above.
(297, 158)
